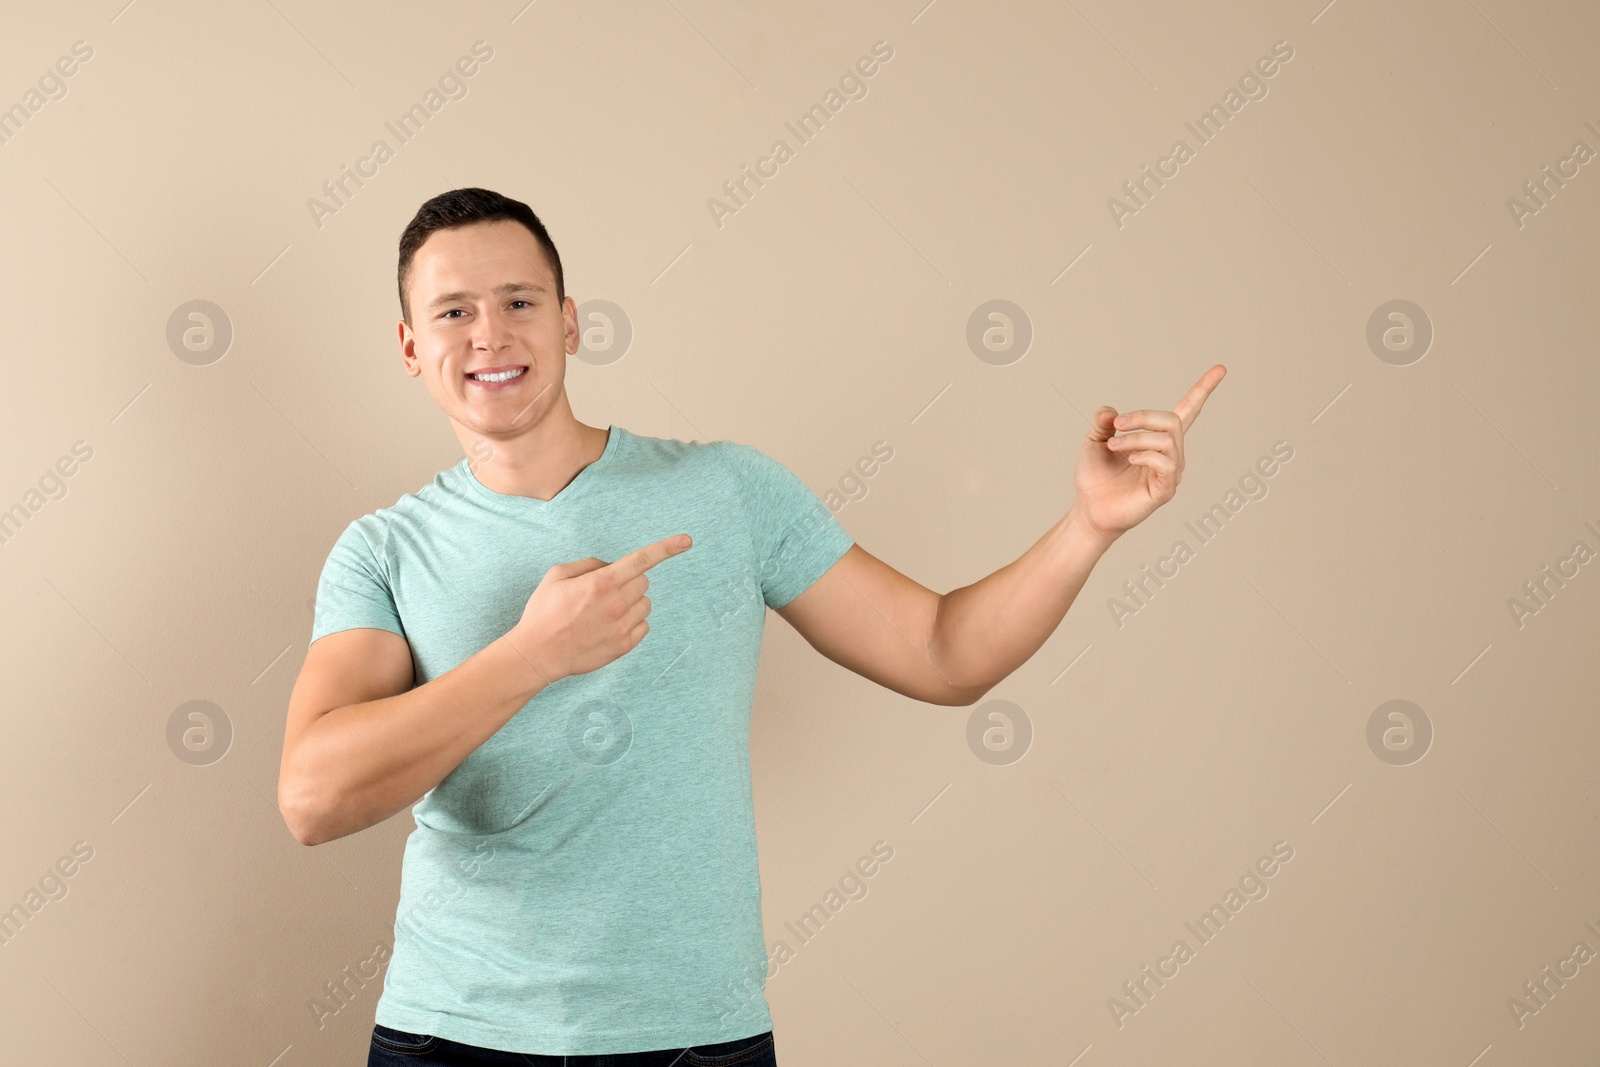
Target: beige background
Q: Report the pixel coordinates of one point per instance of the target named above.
(1167, 754)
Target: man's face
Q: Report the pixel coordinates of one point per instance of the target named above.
(483, 298)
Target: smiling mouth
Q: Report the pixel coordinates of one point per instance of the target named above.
(496, 375)
(496, 378)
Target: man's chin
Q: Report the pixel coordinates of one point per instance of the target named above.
(499, 424)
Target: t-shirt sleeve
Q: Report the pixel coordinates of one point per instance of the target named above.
(796, 537)
(353, 591)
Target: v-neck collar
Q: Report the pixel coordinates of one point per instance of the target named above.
(579, 484)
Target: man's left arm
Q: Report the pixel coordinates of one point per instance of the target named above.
(953, 648)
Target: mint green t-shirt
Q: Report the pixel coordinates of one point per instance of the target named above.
(585, 882)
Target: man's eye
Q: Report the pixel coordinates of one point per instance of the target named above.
(522, 302)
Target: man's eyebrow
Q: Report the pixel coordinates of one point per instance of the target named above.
(503, 289)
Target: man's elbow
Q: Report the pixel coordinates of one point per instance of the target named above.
(304, 830)
(959, 696)
(975, 695)
(300, 815)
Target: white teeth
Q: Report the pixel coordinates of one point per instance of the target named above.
(505, 375)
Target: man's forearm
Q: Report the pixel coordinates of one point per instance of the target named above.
(984, 631)
(358, 764)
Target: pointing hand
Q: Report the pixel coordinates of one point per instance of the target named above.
(589, 612)
(1121, 479)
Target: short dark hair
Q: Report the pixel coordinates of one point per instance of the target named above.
(460, 207)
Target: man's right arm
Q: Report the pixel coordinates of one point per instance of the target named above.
(361, 743)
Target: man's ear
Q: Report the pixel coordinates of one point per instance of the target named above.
(408, 350)
(570, 330)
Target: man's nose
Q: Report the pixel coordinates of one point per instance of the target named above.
(491, 329)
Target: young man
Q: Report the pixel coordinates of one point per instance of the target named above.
(582, 879)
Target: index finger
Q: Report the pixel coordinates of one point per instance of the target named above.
(637, 562)
(1188, 409)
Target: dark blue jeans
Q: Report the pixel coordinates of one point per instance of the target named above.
(396, 1048)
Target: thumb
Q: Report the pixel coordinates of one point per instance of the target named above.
(576, 567)
(1100, 423)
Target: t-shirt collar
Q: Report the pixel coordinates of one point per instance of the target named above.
(574, 488)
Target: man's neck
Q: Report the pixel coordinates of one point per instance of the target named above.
(539, 463)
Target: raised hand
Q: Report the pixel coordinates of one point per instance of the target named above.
(1121, 479)
(589, 612)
